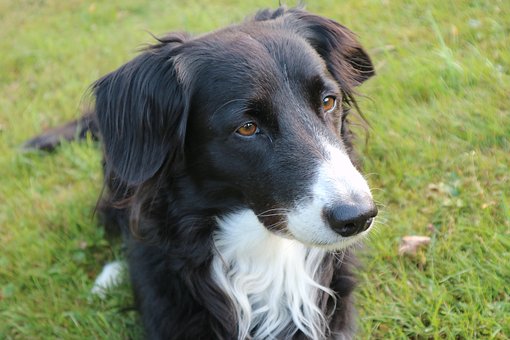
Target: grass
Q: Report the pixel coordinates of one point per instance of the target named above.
(438, 158)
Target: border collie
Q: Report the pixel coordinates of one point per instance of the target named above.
(230, 174)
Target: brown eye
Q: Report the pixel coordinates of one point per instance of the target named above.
(248, 129)
(328, 103)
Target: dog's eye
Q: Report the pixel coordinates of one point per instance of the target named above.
(248, 129)
(328, 103)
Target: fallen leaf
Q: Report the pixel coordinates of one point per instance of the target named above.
(411, 244)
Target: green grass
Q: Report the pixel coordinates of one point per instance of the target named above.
(438, 159)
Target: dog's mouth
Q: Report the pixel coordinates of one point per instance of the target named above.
(337, 228)
(276, 221)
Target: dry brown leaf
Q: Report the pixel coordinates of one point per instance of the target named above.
(411, 244)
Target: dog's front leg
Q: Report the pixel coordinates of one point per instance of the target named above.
(168, 308)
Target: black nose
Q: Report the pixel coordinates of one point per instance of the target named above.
(351, 219)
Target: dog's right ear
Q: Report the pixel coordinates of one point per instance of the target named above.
(142, 112)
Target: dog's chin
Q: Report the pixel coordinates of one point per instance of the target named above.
(337, 244)
(329, 242)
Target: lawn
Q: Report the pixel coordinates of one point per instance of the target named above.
(437, 156)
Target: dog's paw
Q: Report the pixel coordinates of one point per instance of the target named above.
(110, 276)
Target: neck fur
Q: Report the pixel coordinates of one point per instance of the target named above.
(271, 281)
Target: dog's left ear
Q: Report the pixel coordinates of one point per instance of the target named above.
(346, 60)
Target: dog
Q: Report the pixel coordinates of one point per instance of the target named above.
(231, 175)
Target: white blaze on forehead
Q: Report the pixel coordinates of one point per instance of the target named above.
(339, 177)
(337, 182)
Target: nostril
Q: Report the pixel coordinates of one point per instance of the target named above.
(348, 229)
(368, 223)
(349, 220)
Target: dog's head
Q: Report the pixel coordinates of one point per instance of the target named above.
(255, 115)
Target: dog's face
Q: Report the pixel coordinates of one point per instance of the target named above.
(255, 114)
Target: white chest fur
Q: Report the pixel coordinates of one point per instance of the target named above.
(270, 280)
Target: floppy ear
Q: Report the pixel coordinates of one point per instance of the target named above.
(337, 45)
(141, 110)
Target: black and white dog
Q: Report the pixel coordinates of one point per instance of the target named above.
(229, 169)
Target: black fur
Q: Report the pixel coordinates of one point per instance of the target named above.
(173, 161)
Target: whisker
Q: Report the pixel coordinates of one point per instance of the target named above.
(270, 215)
(274, 212)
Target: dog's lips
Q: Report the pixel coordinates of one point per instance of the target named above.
(340, 243)
(274, 222)
(278, 224)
